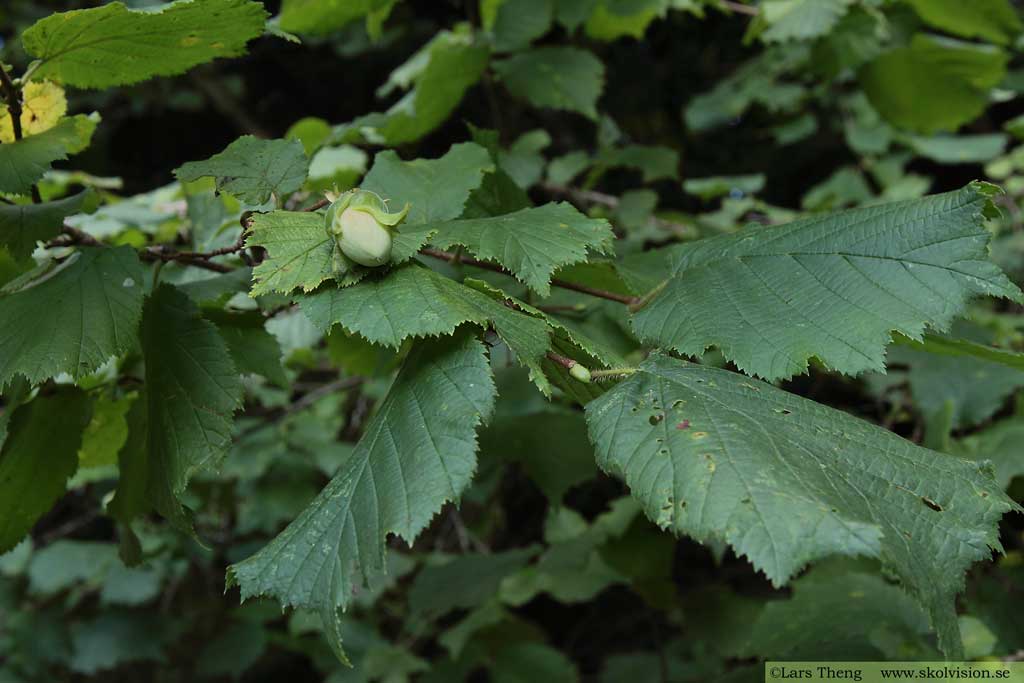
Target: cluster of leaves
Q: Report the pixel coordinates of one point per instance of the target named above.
(196, 394)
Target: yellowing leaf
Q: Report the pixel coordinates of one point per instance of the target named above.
(42, 106)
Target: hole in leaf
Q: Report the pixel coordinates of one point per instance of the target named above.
(656, 418)
(931, 504)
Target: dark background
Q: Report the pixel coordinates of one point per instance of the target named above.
(150, 129)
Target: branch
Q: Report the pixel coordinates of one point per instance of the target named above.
(567, 363)
(564, 284)
(76, 236)
(14, 109)
(185, 258)
(199, 259)
(642, 301)
(223, 251)
(318, 205)
(458, 257)
(739, 7)
(224, 103)
(590, 197)
(582, 196)
(13, 101)
(303, 402)
(586, 375)
(316, 394)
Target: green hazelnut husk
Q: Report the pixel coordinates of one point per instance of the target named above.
(580, 373)
(361, 227)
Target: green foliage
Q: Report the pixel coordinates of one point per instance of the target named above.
(654, 162)
(783, 20)
(712, 188)
(106, 432)
(560, 78)
(443, 391)
(958, 149)
(551, 446)
(933, 84)
(897, 257)
(113, 639)
(516, 23)
(298, 251)
(435, 189)
(71, 317)
(962, 348)
(786, 481)
(253, 170)
(527, 437)
(465, 581)
(22, 226)
(324, 16)
(439, 76)
(804, 625)
(417, 302)
(531, 243)
(759, 82)
(970, 389)
(998, 444)
(39, 454)
(183, 421)
(23, 162)
(992, 20)
(253, 349)
(101, 47)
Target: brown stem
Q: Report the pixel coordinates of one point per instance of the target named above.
(739, 7)
(222, 251)
(594, 291)
(316, 394)
(13, 101)
(198, 259)
(567, 363)
(564, 284)
(14, 109)
(201, 259)
(76, 236)
(583, 197)
(245, 220)
(318, 205)
(493, 103)
(646, 298)
(304, 401)
(573, 308)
